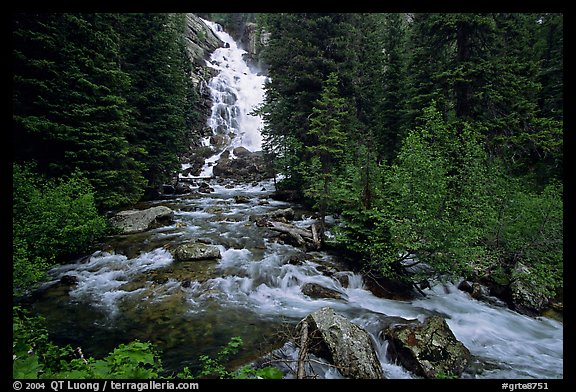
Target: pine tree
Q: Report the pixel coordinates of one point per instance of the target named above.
(159, 93)
(330, 140)
(392, 103)
(69, 112)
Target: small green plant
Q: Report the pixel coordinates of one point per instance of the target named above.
(446, 375)
(35, 356)
(214, 367)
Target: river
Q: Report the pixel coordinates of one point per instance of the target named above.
(133, 288)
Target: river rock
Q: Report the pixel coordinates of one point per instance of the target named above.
(283, 215)
(205, 188)
(196, 251)
(69, 280)
(182, 188)
(428, 349)
(135, 221)
(474, 289)
(241, 199)
(342, 343)
(248, 167)
(526, 299)
(241, 152)
(314, 290)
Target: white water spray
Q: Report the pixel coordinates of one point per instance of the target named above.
(236, 91)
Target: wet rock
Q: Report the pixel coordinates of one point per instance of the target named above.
(247, 167)
(314, 290)
(526, 298)
(205, 188)
(182, 188)
(135, 221)
(297, 258)
(200, 39)
(387, 288)
(69, 280)
(168, 189)
(196, 251)
(241, 199)
(219, 140)
(241, 152)
(283, 215)
(342, 343)
(343, 278)
(286, 195)
(474, 289)
(428, 349)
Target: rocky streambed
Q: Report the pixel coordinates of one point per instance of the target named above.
(217, 267)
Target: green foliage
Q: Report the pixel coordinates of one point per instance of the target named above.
(248, 372)
(443, 203)
(135, 360)
(215, 367)
(107, 94)
(526, 229)
(35, 356)
(51, 220)
(32, 352)
(441, 375)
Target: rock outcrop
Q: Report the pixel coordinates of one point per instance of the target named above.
(200, 39)
(342, 343)
(196, 251)
(246, 167)
(428, 349)
(136, 221)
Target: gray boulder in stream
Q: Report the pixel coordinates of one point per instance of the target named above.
(428, 349)
(196, 251)
(136, 221)
(314, 290)
(342, 343)
(525, 298)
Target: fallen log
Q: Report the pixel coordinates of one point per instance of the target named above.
(296, 233)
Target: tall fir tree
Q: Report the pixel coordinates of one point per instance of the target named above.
(69, 112)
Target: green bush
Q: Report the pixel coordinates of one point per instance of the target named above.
(52, 220)
(35, 356)
(214, 367)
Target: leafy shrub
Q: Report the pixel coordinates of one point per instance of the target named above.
(52, 220)
(35, 356)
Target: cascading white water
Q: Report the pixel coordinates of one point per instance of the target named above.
(255, 282)
(236, 91)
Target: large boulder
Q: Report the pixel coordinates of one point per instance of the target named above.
(246, 167)
(136, 221)
(282, 215)
(241, 152)
(314, 290)
(526, 298)
(196, 251)
(342, 343)
(427, 349)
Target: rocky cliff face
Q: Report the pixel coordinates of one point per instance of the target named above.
(201, 42)
(253, 39)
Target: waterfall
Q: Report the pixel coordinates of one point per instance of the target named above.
(255, 289)
(236, 91)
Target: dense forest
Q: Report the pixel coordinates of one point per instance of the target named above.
(435, 135)
(435, 139)
(102, 106)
